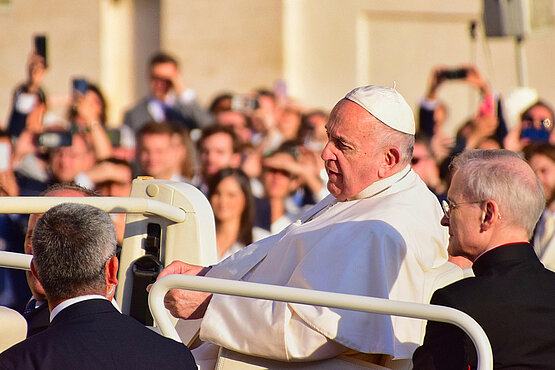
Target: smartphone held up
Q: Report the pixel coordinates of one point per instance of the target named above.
(40, 47)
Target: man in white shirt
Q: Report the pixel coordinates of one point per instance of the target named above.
(375, 235)
(74, 258)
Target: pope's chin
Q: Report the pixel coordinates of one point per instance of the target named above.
(335, 190)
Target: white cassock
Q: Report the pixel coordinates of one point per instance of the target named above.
(381, 244)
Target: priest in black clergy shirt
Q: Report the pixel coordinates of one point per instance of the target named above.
(494, 202)
(74, 248)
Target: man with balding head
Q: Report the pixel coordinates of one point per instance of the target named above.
(494, 202)
(377, 235)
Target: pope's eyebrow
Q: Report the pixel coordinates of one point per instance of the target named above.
(339, 138)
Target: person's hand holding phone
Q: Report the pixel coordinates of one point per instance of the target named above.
(88, 109)
(36, 70)
(474, 78)
(434, 81)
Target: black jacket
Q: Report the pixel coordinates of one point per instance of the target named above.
(512, 297)
(93, 335)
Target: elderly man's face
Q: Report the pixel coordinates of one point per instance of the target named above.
(464, 220)
(352, 155)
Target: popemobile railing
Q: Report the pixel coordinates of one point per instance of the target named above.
(29, 205)
(187, 233)
(166, 219)
(316, 298)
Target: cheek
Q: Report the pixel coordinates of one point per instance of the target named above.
(240, 203)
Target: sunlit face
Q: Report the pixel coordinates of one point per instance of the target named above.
(545, 170)
(278, 183)
(289, 124)
(67, 162)
(117, 188)
(317, 123)
(216, 153)
(237, 121)
(94, 102)
(161, 75)
(157, 155)
(228, 200)
(423, 164)
(352, 155)
(464, 221)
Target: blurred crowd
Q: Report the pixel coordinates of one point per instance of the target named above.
(256, 156)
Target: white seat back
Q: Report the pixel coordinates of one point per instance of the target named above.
(192, 241)
(13, 328)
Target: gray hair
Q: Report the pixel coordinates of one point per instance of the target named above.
(387, 136)
(503, 176)
(71, 244)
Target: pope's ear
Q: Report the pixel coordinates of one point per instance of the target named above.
(391, 158)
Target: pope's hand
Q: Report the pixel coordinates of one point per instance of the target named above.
(185, 304)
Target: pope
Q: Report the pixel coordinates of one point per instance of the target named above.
(377, 234)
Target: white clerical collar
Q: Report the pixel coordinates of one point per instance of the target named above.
(68, 302)
(382, 185)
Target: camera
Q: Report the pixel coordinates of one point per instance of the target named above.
(453, 74)
(54, 139)
(244, 103)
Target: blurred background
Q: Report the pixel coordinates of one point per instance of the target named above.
(317, 49)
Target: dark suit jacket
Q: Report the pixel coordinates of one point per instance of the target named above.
(94, 335)
(512, 297)
(189, 115)
(37, 320)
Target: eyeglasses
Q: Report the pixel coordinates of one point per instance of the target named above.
(448, 206)
(160, 78)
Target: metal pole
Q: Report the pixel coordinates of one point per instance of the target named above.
(521, 66)
(18, 261)
(26, 205)
(317, 298)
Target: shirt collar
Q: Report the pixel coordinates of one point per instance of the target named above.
(68, 302)
(381, 185)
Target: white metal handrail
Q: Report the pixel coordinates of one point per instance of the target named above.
(14, 260)
(316, 298)
(25, 205)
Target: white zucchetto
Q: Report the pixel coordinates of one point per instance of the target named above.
(387, 105)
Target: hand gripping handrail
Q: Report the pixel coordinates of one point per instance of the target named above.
(27, 205)
(316, 298)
